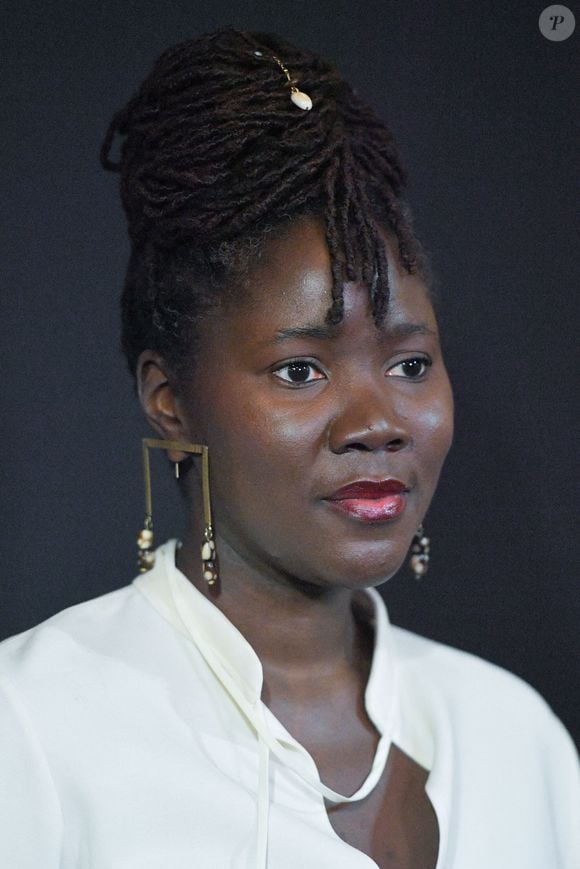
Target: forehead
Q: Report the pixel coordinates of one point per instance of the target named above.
(291, 286)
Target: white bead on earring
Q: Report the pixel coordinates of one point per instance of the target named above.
(208, 556)
(420, 557)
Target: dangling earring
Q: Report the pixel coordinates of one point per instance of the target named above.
(420, 557)
(146, 555)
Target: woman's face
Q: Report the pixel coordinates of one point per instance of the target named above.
(293, 410)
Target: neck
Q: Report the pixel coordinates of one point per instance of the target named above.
(295, 629)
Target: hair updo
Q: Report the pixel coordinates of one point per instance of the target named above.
(216, 159)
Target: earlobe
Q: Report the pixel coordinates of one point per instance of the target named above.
(159, 401)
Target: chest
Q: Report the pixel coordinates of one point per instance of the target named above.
(395, 824)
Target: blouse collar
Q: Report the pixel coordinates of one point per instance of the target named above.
(236, 665)
(198, 619)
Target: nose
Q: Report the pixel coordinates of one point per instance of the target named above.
(369, 421)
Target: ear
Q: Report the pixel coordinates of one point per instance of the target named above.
(160, 402)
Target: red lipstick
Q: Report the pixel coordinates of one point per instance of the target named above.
(371, 501)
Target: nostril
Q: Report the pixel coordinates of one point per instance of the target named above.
(391, 446)
(358, 446)
(385, 435)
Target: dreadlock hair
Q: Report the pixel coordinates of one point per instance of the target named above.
(216, 159)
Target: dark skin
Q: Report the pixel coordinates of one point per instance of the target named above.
(292, 569)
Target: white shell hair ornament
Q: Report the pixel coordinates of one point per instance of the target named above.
(299, 98)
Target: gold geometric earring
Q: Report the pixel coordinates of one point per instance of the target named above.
(146, 553)
(420, 557)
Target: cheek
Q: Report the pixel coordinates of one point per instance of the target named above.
(261, 464)
(433, 428)
(260, 454)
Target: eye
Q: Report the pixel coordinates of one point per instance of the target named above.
(299, 373)
(411, 369)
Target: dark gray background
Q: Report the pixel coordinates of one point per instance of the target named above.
(482, 106)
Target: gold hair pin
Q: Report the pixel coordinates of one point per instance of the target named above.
(298, 97)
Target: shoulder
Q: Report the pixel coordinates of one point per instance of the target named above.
(461, 678)
(510, 758)
(80, 638)
(84, 676)
(475, 696)
(454, 670)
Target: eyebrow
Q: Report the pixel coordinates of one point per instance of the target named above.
(327, 331)
(322, 332)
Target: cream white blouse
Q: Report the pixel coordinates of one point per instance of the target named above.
(132, 736)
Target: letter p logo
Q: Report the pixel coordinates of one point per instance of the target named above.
(557, 23)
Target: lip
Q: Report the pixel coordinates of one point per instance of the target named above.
(371, 500)
(368, 489)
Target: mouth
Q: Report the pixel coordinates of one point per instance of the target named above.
(371, 501)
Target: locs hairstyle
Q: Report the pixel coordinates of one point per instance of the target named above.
(216, 159)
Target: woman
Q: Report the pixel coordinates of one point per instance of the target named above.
(245, 701)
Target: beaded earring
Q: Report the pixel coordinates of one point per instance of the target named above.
(146, 553)
(420, 558)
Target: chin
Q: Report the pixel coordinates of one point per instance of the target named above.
(369, 579)
(366, 569)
